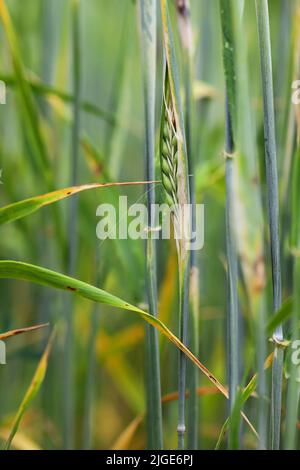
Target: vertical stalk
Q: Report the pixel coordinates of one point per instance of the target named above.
(293, 391)
(250, 223)
(154, 411)
(68, 435)
(232, 272)
(233, 343)
(174, 166)
(183, 331)
(185, 29)
(262, 12)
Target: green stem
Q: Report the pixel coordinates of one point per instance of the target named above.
(193, 402)
(174, 163)
(293, 383)
(233, 345)
(293, 391)
(231, 249)
(154, 411)
(185, 28)
(262, 12)
(183, 330)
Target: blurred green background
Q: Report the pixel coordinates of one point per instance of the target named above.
(108, 348)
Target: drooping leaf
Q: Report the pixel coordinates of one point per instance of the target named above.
(23, 208)
(47, 277)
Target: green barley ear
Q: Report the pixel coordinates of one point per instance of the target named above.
(169, 146)
(173, 152)
(174, 164)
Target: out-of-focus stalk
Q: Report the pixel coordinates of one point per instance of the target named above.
(68, 410)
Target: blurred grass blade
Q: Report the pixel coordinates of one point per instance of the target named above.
(9, 334)
(280, 316)
(72, 229)
(47, 277)
(26, 207)
(222, 434)
(124, 440)
(126, 437)
(242, 396)
(49, 91)
(31, 118)
(148, 45)
(32, 391)
(20, 442)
